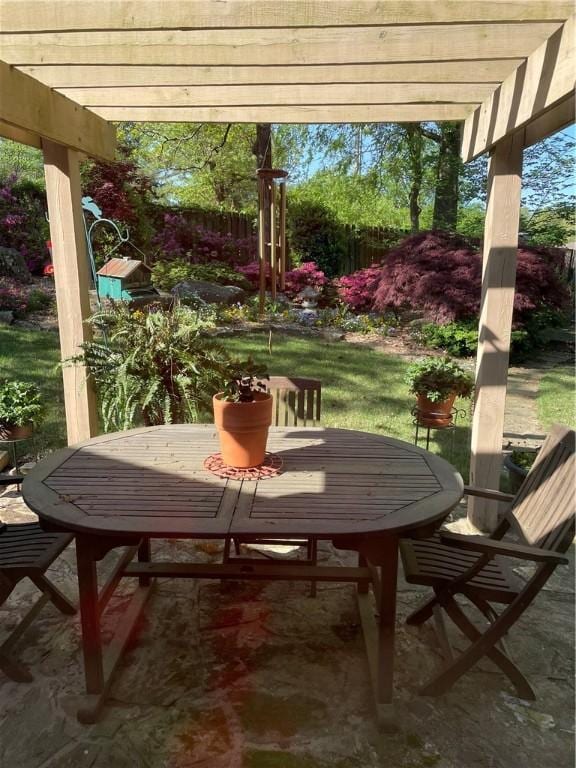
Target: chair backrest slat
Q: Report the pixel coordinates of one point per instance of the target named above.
(544, 509)
(296, 401)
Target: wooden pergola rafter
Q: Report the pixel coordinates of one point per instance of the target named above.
(506, 68)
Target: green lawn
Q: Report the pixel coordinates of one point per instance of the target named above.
(361, 388)
(556, 397)
(34, 356)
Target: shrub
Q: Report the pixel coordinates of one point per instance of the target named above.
(315, 235)
(167, 274)
(23, 225)
(38, 300)
(178, 239)
(20, 403)
(458, 338)
(440, 274)
(296, 280)
(357, 290)
(461, 338)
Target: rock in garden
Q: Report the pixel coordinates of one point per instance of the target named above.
(209, 292)
(6, 317)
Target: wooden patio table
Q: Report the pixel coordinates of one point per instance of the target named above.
(358, 490)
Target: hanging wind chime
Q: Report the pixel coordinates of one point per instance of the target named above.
(271, 231)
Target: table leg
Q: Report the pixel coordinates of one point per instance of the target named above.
(386, 608)
(89, 615)
(144, 556)
(379, 634)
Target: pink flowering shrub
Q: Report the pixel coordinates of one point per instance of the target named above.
(440, 275)
(178, 239)
(23, 225)
(357, 290)
(306, 274)
(296, 279)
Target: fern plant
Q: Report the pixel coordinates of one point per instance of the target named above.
(153, 365)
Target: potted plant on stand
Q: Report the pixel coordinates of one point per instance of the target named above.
(243, 414)
(21, 409)
(436, 382)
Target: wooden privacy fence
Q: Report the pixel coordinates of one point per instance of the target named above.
(360, 246)
(226, 223)
(365, 245)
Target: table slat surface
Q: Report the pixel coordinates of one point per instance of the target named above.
(152, 481)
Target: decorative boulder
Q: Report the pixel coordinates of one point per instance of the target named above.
(211, 293)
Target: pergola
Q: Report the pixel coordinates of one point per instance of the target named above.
(506, 68)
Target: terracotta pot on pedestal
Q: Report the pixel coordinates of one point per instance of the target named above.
(243, 429)
(436, 415)
(10, 432)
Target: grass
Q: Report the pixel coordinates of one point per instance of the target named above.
(556, 398)
(361, 388)
(34, 356)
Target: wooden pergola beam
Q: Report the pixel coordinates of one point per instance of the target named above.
(545, 79)
(263, 95)
(83, 75)
(358, 113)
(273, 46)
(20, 135)
(38, 15)
(36, 111)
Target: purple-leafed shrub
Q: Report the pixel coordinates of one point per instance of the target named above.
(440, 275)
(357, 290)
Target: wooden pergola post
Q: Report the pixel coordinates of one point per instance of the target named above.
(497, 304)
(71, 276)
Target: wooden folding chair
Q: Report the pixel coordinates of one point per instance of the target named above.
(27, 551)
(297, 402)
(541, 515)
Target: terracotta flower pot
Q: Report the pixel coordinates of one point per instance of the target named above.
(15, 432)
(243, 429)
(435, 414)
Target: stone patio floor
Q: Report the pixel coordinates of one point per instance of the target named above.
(260, 675)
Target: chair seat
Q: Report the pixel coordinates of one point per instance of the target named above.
(431, 563)
(26, 547)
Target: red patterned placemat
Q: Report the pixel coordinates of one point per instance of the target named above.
(270, 467)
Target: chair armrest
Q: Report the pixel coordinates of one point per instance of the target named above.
(488, 546)
(487, 493)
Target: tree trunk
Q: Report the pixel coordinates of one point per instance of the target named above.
(445, 215)
(262, 147)
(415, 146)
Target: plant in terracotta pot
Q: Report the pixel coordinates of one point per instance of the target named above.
(243, 414)
(21, 409)
(436, 382)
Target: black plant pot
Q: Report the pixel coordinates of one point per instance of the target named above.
(515, 473)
